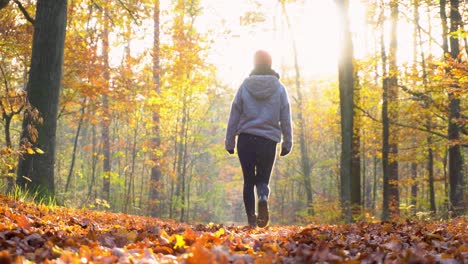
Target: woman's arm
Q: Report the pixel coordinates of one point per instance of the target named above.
(285, 122)
(233, 123)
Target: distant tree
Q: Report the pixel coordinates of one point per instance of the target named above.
(14, 62)
(417, 41)
(36, 171)
(455, 158)
(105, 133)
(349, 171)
(155, 179)
(389, 118)
(306, 164)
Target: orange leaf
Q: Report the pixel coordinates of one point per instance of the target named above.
(23, 222)
(200, 255)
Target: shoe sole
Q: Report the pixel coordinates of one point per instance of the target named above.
(262, 219)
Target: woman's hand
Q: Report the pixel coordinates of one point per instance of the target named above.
(284, 152)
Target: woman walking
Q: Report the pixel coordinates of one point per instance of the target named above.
(260, 114)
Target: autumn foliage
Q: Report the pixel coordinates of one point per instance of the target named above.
(39, 233)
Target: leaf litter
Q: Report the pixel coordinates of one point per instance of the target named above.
(37, 233)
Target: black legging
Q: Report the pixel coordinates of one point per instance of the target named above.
(257, 156)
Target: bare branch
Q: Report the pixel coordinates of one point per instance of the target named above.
(422, 29)
(25, 12)
(19, 110)
(402, 125)
(426, 99)
(5, 81)
(6, 86)
(419, 95)
(130, 12)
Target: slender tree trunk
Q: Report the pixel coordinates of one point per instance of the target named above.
(130, 197)
(306, 166)
(175, 169)
(43, 91)
(389, 116)
(7, 126)
(155, 179)
(430, 155)
(349, 161)
(75, 145)
(414, 164)
(446, 183)
(183, 194)
(393, 111)
(106, 165)
(455, 158)
(430, 170)
(445, 48)
(443, 18)
(189, 192)
(142, 185)
(414, 183)
(94, 158)
(364, 180)
(356, 200)
(171, 200)
(374, 186)
(10, 176)
(181, 160)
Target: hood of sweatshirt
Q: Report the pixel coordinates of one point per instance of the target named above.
(262, 87)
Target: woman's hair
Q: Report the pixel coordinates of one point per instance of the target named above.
(262, 58)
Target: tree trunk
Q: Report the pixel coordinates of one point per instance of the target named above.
(43, 91)
(142, 185)
(106, 165)
(182, 157)
(455, 159)
(414, 184)
(10, 178)
(430, 171)
(75, 144)
(364, 180)
(389, 116)
(443, 18)
(155, 179)
(355, 186)
(374, 185)
(430, 155)
(130, 196)
(306, 167)
(173, 193)
(446, 183)
(349, 167)
(94, 159)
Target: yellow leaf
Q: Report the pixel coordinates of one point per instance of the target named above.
(30, 151)
(180, 242)
(132, 236)
(219, 233)
(39, 151)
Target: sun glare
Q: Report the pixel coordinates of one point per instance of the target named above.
(314, 28)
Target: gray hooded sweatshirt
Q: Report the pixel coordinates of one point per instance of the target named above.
(261, 108)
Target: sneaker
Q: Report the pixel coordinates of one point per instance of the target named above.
(263, 217)
(252, 219)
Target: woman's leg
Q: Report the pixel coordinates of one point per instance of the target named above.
(266, 156)
(265, 160)
(247, 157)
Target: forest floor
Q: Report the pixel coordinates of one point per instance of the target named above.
(38, 233)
